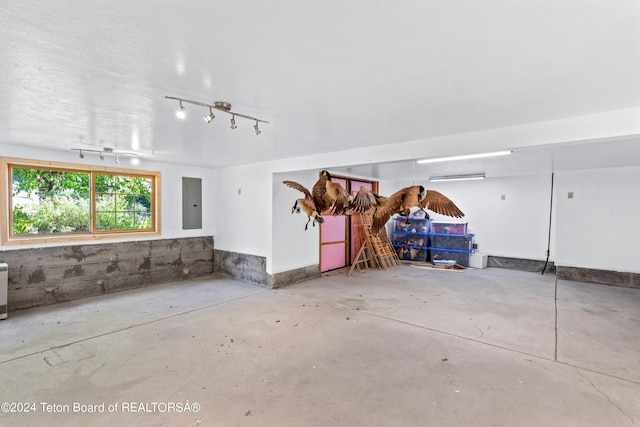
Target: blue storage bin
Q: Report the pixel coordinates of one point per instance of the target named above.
(459, 256)
(411, 253)
(452, 241)
(415, 225)
(449, 228)
(414, 240)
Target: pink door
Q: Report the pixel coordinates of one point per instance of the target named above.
(333, 239)
(356, 238)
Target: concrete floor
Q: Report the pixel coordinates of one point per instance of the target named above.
(404, 347)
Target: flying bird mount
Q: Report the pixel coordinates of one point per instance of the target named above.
(331, 198)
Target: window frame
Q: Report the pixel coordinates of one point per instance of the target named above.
(6, 231)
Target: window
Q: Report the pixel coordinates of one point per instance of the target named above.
(56, 201)
(122, 202)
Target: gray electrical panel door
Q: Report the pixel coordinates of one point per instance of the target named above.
(191, 203)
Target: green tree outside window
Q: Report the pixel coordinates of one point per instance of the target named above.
(61, 201)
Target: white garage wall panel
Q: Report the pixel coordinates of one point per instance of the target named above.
(598, 228)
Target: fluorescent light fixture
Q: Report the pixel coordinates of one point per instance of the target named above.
(466, 157)
(457, 177)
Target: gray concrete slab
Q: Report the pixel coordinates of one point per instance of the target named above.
(36, 330)
(403, 347)
(594, 324)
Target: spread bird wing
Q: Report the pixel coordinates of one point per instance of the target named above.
(441, 204)
(386, 209)
(364, 201)
(339, 196)
(299, 187)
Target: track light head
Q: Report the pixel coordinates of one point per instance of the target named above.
(233, 122)
(258, 131)
(209, 117)
(117, 160)
(181, 113)
(101, 155)
(81, 155)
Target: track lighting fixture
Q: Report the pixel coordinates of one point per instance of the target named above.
(181, 113)
(109, 151)
(209, 117)
(220, 106)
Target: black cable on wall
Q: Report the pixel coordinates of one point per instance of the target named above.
(550, 217)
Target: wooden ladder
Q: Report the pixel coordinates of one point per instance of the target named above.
(375, 249)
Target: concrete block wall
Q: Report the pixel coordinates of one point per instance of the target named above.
(48, 275)
(252, 269)
(534, 266)
(605, 277)
(244, 267)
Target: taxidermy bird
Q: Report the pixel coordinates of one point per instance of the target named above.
(307, 205)
(330, 195)
(401, 202)
(439, 203)
(366, 202)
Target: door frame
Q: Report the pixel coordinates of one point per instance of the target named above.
(348, 224)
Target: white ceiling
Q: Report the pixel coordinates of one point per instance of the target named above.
(327, 75)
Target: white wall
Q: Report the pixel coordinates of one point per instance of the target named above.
(516, 227)
(598, 228)
(243, 210)
(293, 247)
(171, 188)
